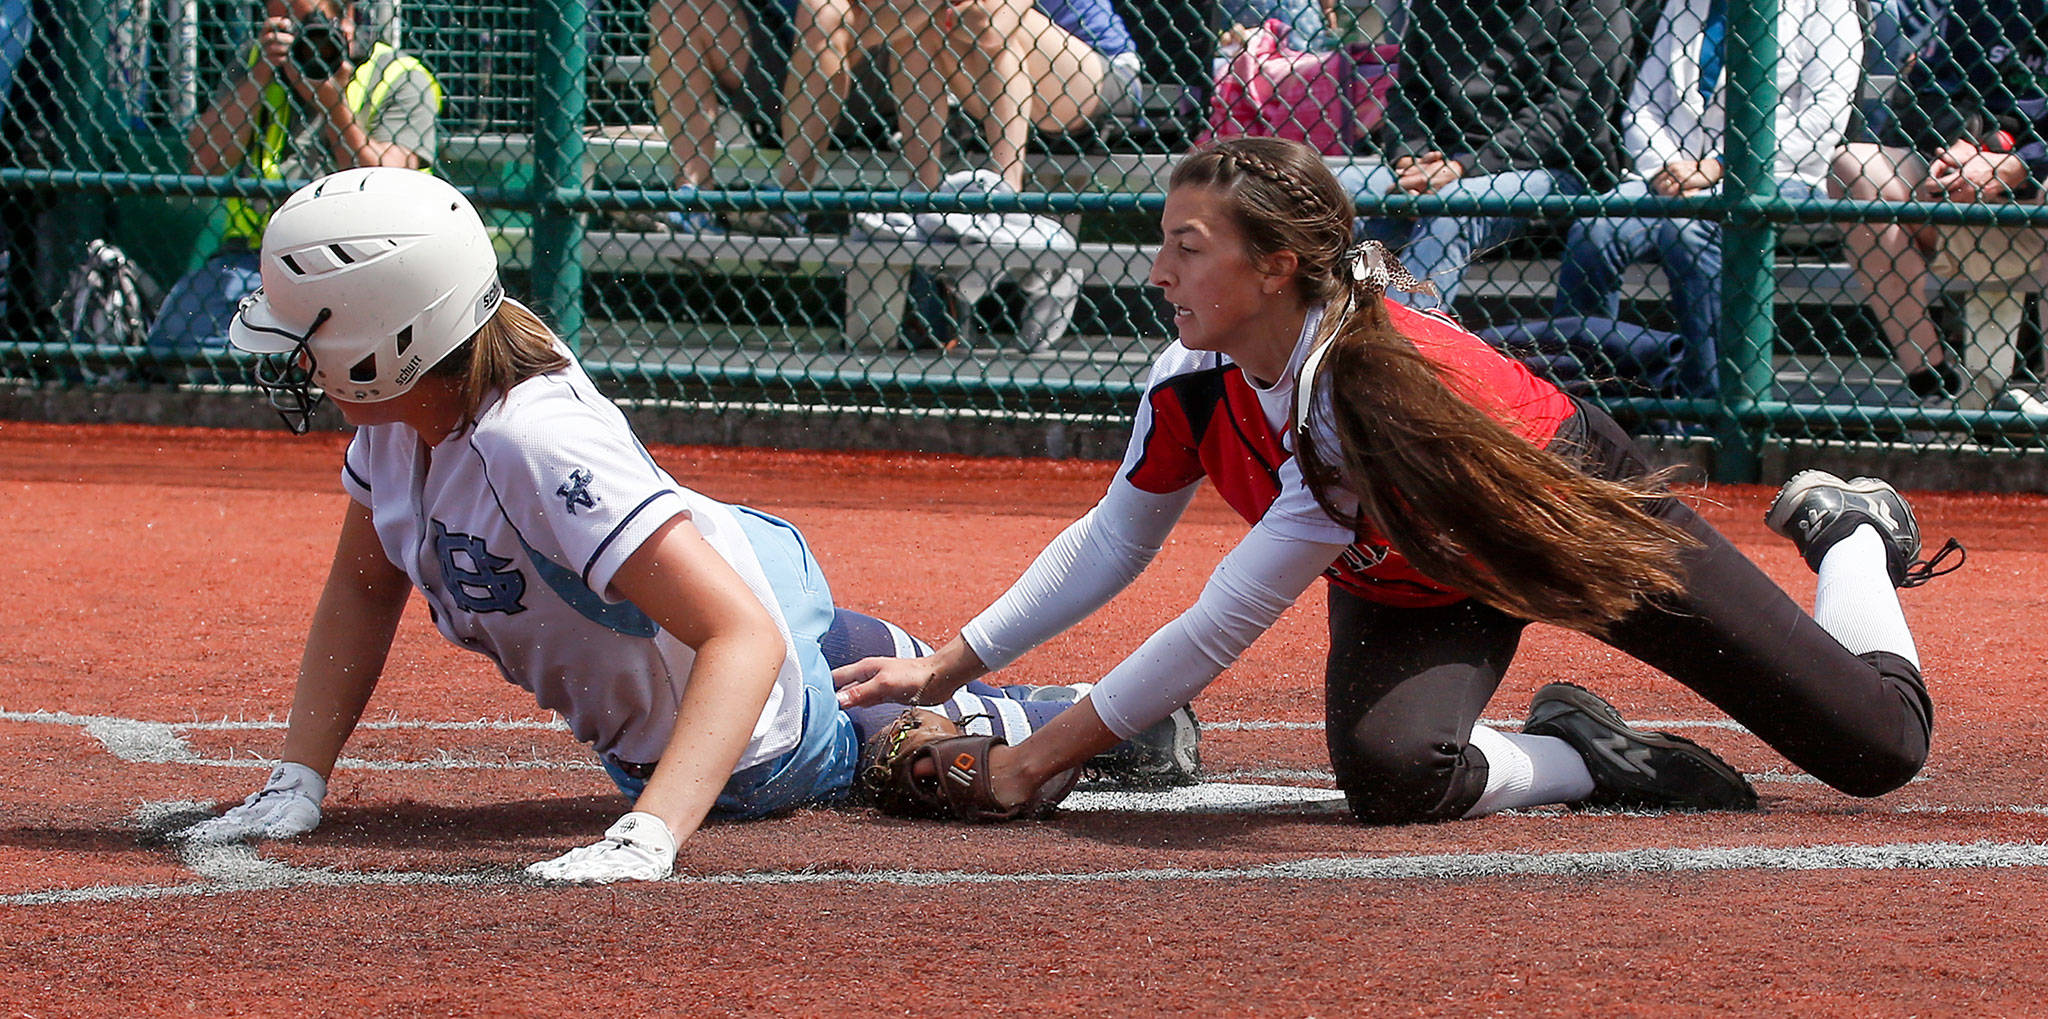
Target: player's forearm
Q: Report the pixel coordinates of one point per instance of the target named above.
(345, 655)
(953, 667)
(1070, 739)
(1092, 560)
(347, 645)
(729, 685)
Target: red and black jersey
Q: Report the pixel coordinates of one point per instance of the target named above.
(1202, 417)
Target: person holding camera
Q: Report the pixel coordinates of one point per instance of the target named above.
(319, 94)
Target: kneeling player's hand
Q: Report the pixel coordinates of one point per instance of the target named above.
(637, 847)
(873, 681)
(287, 805)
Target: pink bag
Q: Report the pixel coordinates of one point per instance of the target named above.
(1330, 101)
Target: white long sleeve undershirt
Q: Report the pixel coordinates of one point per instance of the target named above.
(1100, 554)
(1091, 561)
(1251, 587)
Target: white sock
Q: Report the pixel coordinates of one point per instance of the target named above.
(1528, 771)
(1856, 603)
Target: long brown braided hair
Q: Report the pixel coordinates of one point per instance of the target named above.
(1450, 486)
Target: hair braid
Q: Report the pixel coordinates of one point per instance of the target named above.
(1293, 187)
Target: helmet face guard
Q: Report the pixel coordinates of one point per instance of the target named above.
(286, 376)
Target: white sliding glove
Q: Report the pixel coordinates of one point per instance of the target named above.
(287, 805)
(637, 847)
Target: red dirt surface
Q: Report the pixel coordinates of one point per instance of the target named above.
(166, 576)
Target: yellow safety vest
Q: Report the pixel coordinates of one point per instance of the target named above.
(367, 90)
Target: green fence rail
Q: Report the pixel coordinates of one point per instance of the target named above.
(746, 287)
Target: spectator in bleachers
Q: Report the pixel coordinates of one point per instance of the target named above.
(1055, 65)
(694, 47)
(1500, 100)
(17, 30)
(319, 94)
(1899, 29)
(832, 37)
(1673, 130)
(1962, 127)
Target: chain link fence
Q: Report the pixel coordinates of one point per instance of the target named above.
(947, 209)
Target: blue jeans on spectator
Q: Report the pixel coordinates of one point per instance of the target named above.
(1439, 248)
(1598, 250)
(17, 29)
(195, 314)
(1593, 356)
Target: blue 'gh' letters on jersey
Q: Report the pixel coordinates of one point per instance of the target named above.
(477, 579)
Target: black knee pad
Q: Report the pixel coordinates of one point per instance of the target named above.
(1881, 768)
(1392, 782)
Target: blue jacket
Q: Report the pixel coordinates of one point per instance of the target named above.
(1985, 63)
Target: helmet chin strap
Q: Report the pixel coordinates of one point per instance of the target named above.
(287, 378)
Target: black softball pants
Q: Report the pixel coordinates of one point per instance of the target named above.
(1404, 686)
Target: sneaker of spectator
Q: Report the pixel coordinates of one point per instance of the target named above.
(902, 226)
(1937, 384)
(2028, 402)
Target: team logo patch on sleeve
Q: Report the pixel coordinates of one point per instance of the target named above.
(576, 491)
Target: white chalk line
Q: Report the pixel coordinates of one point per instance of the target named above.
(1771, 777)
(142, 742)
(1506, 724)
(225, 869)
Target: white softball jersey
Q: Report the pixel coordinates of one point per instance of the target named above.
(513, 530)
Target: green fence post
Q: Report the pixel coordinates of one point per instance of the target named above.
(558, 109)
(82, 47)
(1749, 241)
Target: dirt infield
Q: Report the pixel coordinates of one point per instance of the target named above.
(159, 582)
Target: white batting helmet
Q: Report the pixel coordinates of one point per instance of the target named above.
(370, 277)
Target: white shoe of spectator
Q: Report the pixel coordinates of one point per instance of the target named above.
(2022, 400)
(900, 226)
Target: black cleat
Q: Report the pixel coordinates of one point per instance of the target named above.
(1816, 509)
(1632, 768)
